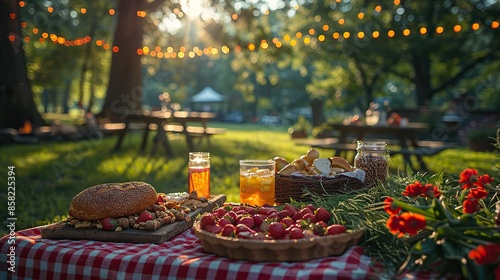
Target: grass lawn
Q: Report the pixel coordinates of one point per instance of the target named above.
(49, 174)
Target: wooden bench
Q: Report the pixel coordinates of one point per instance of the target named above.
(191, 131)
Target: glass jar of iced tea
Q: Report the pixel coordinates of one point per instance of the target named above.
(257, 182)
(199, 173)
(372, 157)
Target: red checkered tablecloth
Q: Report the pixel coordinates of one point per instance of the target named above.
(180, 258)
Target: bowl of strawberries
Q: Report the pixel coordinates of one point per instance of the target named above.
(273, 234)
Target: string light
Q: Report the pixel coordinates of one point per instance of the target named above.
(183, 52)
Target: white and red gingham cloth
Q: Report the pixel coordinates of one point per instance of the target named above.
(180, 258)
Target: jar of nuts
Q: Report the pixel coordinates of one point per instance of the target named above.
(372, 157)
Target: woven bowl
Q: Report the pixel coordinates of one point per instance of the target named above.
(293, 187)
(276, 250)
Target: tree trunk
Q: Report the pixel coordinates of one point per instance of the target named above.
(317, 112)
(422, 79)
(125, 80)
(67, 90)
(16, 96)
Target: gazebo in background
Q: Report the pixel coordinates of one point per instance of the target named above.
(208, 100)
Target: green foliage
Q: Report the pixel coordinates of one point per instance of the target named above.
(302, 124)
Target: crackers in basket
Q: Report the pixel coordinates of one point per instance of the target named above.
(311, 164)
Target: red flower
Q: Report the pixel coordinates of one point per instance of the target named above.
(485, 179)
(391, 208)
(485, 254)
(468, 177)
(414, 190)
(477, 193)
(431, 191)
(395, 225)
(413, 222)
(471, 205)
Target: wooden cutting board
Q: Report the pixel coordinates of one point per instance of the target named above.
(63, 230)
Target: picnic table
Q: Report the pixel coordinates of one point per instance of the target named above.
(182, 257)
(404, 138)
(170, 122)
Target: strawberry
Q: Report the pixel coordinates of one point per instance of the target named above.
(297, 216)
(230, 219)
(206, 220)
(243, 228)
(248, 221)
(215, 229)
(311, 207)
(266, 210)
(276, 230)
(219, 212)
(161, 199)
(322, 215)
(109, 223)
(229, 230)
(264, 226)
(325, 225)
(283, 214)
(258, 219)
(305, 210)
(303, 224)
(274, 216)
(231, 214)
(336, 229)
(244, 209)
(319, 229)
(291, 210)
(287, 221)
(223, 222)
(143, 217)
(249, 209)
(295, 233)
(310, 218)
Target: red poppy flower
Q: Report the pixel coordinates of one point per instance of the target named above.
(477, 193)
(413, 222)
(391, 208)
(468, 177)
(431, 191)
(414, 190)
(471, 205)
(485, 254)
(395, 225)
(485, 179)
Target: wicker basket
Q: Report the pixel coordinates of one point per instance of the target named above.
(291, 250)
(293, 187)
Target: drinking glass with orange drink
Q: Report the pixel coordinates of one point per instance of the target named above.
(199, 173)
(257, 182)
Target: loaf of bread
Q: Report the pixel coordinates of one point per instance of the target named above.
(112, 200)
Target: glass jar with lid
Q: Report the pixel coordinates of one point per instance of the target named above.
(372, 157)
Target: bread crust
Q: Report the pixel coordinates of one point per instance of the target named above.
(342, 163)
(280, 163)
(112, 200)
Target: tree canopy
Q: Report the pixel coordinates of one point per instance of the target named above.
(264, 56)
